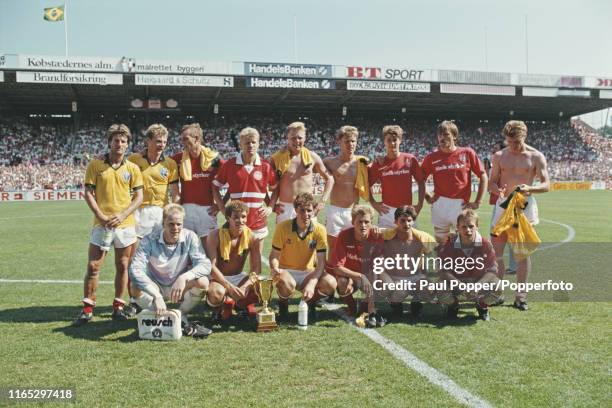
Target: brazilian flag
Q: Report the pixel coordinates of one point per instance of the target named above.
(54, 13)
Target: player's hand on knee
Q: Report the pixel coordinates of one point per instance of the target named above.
(235, 292)
(309, 290)
(159, 305)
(176, 293)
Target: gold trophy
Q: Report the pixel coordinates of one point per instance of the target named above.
(264, 286)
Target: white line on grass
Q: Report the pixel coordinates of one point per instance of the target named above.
(413, 362)
(571, 234)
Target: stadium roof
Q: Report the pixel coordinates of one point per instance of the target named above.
(35, 84)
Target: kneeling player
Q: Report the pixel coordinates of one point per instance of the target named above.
(293, 263)
(228, 248)
(467, 257)
(353, 251)
(407, 246)
(170, 264)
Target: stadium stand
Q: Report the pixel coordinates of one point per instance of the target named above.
(43, 153)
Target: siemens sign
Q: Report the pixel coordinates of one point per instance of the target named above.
(287, 70)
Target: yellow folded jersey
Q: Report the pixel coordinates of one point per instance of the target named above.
(207, 156)
(522, 237)
(361, 182)
(225, 242)
(282, 158)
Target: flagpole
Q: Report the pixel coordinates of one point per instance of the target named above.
(66, 25)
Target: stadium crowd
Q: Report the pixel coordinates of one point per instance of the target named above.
(47, 155)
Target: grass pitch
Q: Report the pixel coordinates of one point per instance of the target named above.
(556, 354)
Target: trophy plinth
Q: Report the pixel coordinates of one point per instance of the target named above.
(266, 320)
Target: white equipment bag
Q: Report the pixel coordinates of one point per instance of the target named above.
(166, 327)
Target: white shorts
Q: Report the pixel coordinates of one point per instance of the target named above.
(298, 276)
(444, 212)
(287, 214)
(531, 211)
(260, 233)
(121, 237)
(237, 279)
(147, 219)
(337, 219)
(198, 220)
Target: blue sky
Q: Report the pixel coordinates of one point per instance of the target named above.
(563, 37)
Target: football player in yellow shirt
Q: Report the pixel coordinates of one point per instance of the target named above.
(113, 191)
(297, 259)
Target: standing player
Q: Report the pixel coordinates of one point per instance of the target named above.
(297, 259)
(159, 174)
(395, 172)
(350, 182)
(198, 166)
(349, 261)
(493, 199)
(170, 264)
(451, 167)
(108, 183)
(456, 253)
(248, 178)
(295, 166)
(515, 168)
(228, 248)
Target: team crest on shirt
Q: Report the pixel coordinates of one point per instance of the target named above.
(462, 158)
(312, 244)
(126, 176)
(257, 175)
(288, 242)
(164, 172)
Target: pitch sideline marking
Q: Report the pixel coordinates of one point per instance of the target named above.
(413, 362)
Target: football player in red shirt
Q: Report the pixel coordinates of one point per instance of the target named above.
(451, 167)
(395, 172)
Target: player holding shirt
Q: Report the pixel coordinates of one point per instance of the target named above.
(228, 248)
(350, 182)
(198, 166)
(248, 178)
(350, 264)
(467, 245)
(395, 172)
(108, 183)
(515, 168)
(451, 167)
(159, 174)
(295, 166)
(297, 259)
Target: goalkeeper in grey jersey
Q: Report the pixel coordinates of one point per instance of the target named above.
(170, 265)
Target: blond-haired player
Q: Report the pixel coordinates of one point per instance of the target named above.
(170, 265)
(248, 178)
(160, 176)
(295, 166)
(516, 167)
(350, 182)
